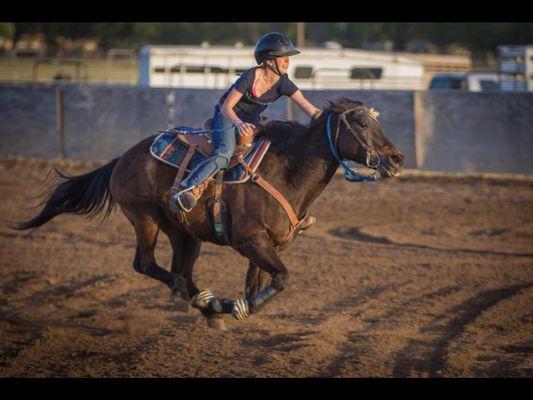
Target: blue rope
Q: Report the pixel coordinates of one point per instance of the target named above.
(349, 174)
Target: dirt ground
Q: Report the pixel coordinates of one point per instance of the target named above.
(414, 277)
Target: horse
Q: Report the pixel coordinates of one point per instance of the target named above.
(300, 163)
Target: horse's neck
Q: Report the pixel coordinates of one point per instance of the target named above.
(312, 166)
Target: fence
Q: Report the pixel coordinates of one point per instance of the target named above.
(462, 132)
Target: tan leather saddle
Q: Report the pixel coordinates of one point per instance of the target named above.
(204, 143)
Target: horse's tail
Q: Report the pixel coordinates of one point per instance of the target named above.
(85, 194)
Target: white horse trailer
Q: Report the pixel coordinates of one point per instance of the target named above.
(217, 67)
(515, 66)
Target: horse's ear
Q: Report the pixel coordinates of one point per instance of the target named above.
(373, 113)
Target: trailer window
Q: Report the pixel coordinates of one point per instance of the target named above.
(191, 69)
(366, 73)
(489, 86)
(447, 83)
(303, 72)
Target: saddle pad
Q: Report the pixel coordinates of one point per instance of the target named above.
(168, 149)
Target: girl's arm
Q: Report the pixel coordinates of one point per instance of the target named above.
(227, 111)
(305, 105)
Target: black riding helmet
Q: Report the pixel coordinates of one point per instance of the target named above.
(273, 45)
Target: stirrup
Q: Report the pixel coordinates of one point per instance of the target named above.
(176, 200)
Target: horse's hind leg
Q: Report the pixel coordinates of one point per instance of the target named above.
(146, 231)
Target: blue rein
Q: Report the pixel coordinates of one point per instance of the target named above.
(349, 174)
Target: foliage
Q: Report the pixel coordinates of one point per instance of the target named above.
(7, 30)
(473, 36)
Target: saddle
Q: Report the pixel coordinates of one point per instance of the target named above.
(185, 151)
(203, 143)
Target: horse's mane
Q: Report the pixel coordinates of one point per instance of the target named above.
(287, 135)
(284, 135)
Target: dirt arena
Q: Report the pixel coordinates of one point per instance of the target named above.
(422, 276)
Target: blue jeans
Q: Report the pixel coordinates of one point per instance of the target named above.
(225, 142)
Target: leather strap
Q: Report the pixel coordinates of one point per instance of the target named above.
(273, 192)
(219, 208)
(183, 166)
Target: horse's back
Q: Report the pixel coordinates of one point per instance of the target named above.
(138, 175)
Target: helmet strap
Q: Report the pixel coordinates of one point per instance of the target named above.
(276, 69)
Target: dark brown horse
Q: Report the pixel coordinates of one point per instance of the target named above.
(300, 164)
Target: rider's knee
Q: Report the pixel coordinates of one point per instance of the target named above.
(221, 161)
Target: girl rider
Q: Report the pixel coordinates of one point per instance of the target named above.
(241, 107)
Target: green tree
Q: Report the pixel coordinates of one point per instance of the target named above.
(7, 30)
(477, 37)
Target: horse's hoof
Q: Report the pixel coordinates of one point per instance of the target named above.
(201, 300)
(180, 304)
(180, 288)
(216, 323)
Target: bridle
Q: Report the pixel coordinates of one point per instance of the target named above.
(372, 159)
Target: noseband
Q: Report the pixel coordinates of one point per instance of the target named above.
(372, 159)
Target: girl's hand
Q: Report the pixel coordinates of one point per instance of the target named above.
(316, 115)
(246, 129)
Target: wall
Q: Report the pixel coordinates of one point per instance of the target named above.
(474, 132)
(464, 132)
(28, 122)
(99, 122)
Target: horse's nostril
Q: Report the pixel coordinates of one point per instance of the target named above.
(395, 159)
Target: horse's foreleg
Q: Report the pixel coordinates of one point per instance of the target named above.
(185, 252)
(254, 281)
(191, 250)
(260, 251)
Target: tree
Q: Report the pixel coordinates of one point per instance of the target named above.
(7, 30)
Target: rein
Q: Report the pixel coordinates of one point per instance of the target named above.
(199, 132)
(351, 174)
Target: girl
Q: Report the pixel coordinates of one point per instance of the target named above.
(240, 108)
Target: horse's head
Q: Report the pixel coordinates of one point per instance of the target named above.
(357, 135)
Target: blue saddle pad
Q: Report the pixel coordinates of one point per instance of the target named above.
(169, 149)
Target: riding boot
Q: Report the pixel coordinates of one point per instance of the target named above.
(183, 199)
